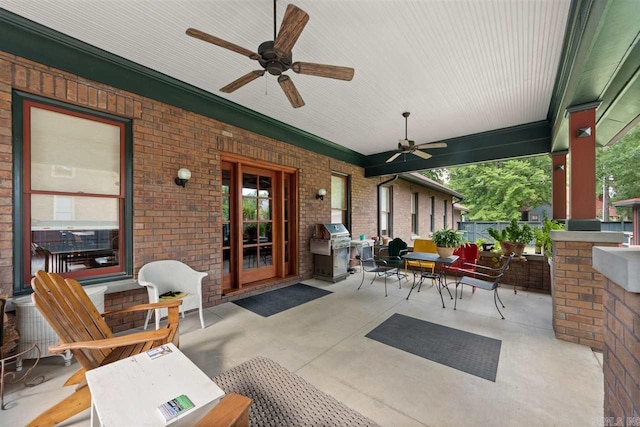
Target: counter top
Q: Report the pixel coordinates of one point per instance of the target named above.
(620, 265)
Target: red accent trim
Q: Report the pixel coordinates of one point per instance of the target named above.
(582, 194)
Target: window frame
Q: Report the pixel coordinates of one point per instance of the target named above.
(388, 213)
(445, 204)
(432, 218)
(415, 225)
(346, 212)
(21, 214)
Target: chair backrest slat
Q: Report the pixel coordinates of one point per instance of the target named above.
(71, 314)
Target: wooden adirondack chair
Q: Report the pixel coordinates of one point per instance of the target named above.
(83, 331)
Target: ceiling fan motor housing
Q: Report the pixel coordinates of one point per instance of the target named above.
(273, 61)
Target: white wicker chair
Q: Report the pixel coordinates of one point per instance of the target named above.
(164, 276)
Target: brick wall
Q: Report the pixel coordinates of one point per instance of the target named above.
(171, 222)
(577, 293)
(531, 273)
(621, 352)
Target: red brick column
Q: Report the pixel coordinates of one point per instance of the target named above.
(577, 289)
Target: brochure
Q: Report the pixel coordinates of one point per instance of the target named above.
(160, 351)
(175, 407)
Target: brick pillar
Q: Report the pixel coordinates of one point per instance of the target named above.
(559, 186)
(621, 355)
(577, 289)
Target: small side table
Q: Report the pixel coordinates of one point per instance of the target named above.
(129, 391)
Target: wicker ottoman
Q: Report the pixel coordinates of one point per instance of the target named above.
(281, 398)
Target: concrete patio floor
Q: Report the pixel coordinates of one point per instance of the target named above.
(541, 381)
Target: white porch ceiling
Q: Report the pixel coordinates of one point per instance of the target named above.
(460, 67)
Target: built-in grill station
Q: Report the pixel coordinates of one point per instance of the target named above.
(330, 247)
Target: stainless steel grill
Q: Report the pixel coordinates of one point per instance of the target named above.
(330, 247)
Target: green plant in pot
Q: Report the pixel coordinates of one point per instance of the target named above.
(447, 241)
(513, 238)
(543, 235)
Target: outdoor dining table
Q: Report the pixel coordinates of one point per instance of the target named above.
(440, 277)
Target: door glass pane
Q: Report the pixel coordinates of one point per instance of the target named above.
(250, 233)
(249, 185)
(225, 209)
(249, 208)
(265, 210)
(249, 256)
(74, 154)
(226, 181)
(266, 234)
(266, 257)
(226, 234)
(265, 186)
(226, 261)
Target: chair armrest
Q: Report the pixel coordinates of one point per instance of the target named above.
(137, 338)
(144, 307)
(484, 267)
(231, 411)
(488, 276)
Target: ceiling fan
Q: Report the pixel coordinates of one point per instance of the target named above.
(275, 56)
(407, 146)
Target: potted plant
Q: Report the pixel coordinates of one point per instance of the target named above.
(447, 241)
(543, 235)
(513, 238)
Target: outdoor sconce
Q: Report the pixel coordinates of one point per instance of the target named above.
(584, 132)
(560, 167)
(321, 193)
(184, 175)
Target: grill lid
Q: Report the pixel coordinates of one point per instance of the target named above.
(331, 231)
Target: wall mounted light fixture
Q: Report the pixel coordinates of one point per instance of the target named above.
(560, 167)
(584, 132)
(321, 193)
(184, 175)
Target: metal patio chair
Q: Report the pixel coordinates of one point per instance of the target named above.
(379, 267)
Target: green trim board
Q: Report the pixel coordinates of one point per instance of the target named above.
(517, 141)
(601, 62)
(28, 39)
(20, 286)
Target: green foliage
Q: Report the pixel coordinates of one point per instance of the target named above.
(619, 162)
(497, 191)
(447, 238)
(543, 235)
(513, 233)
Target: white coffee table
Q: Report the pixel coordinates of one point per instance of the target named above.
(129, 391)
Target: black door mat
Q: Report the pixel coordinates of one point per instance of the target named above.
(273, 302)
(471, 353)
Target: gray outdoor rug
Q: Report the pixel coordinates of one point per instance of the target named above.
(282, 299)
(467, 352)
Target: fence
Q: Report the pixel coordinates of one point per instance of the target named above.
(474, 230)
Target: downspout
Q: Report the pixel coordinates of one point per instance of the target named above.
(389, 181)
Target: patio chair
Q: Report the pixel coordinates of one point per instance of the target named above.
(488, 279)
(465, 264)
(392, 255)
(422, 245)
(82, 330)
(175, 280)
(379, 267)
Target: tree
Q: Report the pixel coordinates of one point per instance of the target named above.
(499, 191)
(619, 165)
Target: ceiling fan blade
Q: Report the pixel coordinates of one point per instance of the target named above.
(292, 25)
(392, 158)
(322, 70)
(290, 90)
(432, 145)
(222, 43)
(422, 154)
(237, 84)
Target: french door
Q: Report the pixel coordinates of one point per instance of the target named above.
(257, 204)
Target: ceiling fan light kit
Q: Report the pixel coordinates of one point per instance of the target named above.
(275, 56)
(407, 146)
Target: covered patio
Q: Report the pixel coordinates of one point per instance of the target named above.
(540, 380)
